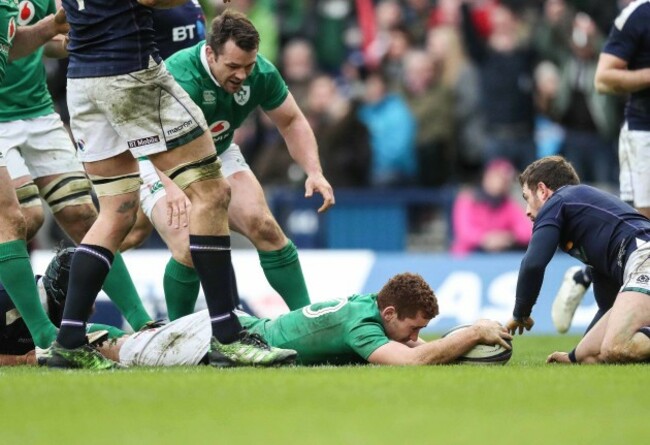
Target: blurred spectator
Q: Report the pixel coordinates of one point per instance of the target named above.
(392, 133)
(553, 31)
(505, 62)
(343, 140)
(432, 105)
(590, 120)
(549, 135)
(459, 74)
(399, 43)
(416, 18)
(298, 68)
(489, 219)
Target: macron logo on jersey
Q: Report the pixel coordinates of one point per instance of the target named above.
(26, 12)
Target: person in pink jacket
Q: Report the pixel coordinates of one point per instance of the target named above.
(489, 219)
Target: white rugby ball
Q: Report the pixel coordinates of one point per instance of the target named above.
(482, 354)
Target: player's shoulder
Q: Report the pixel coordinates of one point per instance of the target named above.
(636, 13)
(264, 67)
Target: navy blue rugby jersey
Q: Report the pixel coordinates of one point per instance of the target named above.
(109, 37)
(629, 39)
(178, 28)
(594, 226)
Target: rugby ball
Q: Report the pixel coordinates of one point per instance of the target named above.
(482, 354)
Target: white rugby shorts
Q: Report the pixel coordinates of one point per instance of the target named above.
(38, 147)
(182, 342)
(636, 276)
(145, 112)
(152, 190)
(634, 160)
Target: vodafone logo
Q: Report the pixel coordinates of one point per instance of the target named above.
(26, 12)
(219, 127)
(11, 30)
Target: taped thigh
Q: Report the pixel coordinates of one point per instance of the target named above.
(28, 195)
(116, 185)
(200, 170)
(67, 190)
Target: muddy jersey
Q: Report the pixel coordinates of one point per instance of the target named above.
(225, 112)
(109, 37)
(24, 93)
(7, 32)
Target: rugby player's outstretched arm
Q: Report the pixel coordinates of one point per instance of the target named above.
(29, 38)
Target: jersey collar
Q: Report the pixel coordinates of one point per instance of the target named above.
(204, 62)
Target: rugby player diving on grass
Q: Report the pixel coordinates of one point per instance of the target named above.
(604, 233)
(380, 328)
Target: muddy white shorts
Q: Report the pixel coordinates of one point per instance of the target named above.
(145, 112)
(152, 190)
(634, 159)
(182, 342)
(636, 277)
(38, 147)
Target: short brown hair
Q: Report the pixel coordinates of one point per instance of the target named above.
(554, 171)
(409, 294)
(233, 25)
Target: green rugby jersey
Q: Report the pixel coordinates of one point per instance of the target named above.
(24, 92)
(7, 33)
(341, 331)
(225, 112)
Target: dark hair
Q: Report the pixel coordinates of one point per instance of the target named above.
(233, 25)
(409, 294)
(554, 171)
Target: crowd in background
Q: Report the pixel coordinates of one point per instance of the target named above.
(425, 93)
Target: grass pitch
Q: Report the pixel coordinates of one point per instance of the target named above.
(525, 402)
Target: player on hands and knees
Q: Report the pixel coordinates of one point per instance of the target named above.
(623, 68)
(228, 79)
(123, 107)
(606, 234)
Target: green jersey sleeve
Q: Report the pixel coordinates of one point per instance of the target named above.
(275, 88)
(7, 32)
(366, 337)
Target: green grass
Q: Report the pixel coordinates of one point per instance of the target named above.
(525, 402)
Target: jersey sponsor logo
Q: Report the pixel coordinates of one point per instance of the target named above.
(11, 30)
(182, 33)
(209, 97)
(218, 128)
(157, 186)
(134, 143)
(185, 125)
(242, 96)
(26, 12)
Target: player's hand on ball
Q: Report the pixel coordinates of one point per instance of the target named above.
(493, 333)
(558, 357)
(515, 325)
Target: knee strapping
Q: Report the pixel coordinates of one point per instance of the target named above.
(67, 190)
(116, 185)
(200, 170)
(28, 195)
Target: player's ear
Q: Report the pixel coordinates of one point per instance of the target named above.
(388, 313)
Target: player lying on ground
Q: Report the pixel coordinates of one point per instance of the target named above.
(604, 233)
(378, 328)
